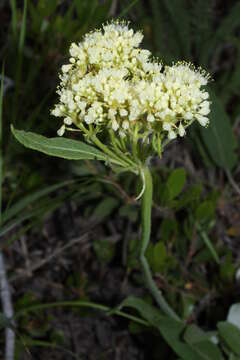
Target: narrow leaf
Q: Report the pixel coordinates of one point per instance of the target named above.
(127, 8)
(218, 137)
(231, 335)
(207, 350)
(23, 27)
(60, 147)
(170, 329)
(208, 243)
(29, 199)
(105, 207)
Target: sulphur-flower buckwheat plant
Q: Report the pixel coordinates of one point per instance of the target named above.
(128, 105)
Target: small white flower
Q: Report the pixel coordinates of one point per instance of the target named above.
(172, 135)
(66, 68)
(68, 121)
(123, 112)
(57, 111)
(181, 130)
(167, 126)
(61, 131)
(115, 125)
(150, 118)
(202, 120)
(125, 124)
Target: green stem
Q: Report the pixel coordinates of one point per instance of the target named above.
(135, 143)
(103, 147)
(80, 303)
(146, 208)
(111, 154)
(118, 151)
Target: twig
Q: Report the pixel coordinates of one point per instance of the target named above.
(51, 256)
(192, 249)
(25, 253)
(7, 310)
(123, 193)
(232, 182)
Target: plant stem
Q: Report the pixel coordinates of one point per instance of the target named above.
(146, 209)
(135, 143)
(112, 156)
(120, 154)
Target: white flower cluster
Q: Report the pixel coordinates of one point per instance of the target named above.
(110, 82)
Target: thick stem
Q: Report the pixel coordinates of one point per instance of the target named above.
(146, 209)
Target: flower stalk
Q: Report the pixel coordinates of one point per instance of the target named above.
(146, 210)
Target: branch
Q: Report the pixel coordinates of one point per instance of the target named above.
(7, 310)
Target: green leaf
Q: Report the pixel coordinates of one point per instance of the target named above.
(230, 22)
(36, 212)
(46, 8)
(188, 302)
(231, 335)
(105, 207)
(205, 211)
(85, 9)
(194, 334)
(129, 212)
(202, 343)
(170, 329)
(169, 229)
(29, 199)
(127, 8)
(23, 27)
(218, 137)
(164, 34)
(148, 312)
(159, 256)
(233, 357)
(228, 268)
(77, 303)
(190, 197)
(14, 16)
(60, 147)
(208, 243)
(181, 24)
(207, 350)
(104, 249)
(175, 183)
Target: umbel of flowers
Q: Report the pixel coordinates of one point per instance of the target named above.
(112, 85)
